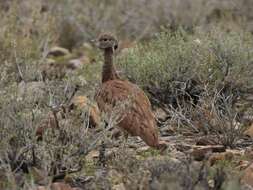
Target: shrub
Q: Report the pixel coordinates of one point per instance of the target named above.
(191, 75)
(180, 63)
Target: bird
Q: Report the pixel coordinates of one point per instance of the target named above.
(137, 119)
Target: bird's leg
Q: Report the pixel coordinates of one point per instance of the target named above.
(102, 158)
(125, 134)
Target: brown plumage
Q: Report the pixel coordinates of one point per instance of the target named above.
(136, 118)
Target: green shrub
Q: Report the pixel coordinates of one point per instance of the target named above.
(176, 64)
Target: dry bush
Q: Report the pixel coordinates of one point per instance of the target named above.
(26, 37)
(167, 173)
(85, 19)
(197, 78)
(183, 66)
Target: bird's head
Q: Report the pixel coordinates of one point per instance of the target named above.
(107, 41)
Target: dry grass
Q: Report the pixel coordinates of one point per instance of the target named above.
(193, 57)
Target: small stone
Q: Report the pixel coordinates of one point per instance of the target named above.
(249, 131)
(58, 51)
(199, 153)
(92, 155)
(82, 102)
(242, 165)
(142, 149)
(224, 156)
(160, 114)
(60, 186)
(211, 183)
(87, 46)
(203, 141)
(183, 147)
(41, 188)
(197, 41)
(49, 61)
(120, 186)
(78, 63)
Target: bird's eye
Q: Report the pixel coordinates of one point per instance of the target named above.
(105, 39)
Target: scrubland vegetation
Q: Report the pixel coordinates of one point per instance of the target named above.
(193, 58)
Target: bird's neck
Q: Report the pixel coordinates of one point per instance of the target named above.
(109, 72)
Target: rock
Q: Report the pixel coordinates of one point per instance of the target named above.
(82, 102)
(229, 155)
(203, 141)
(75, 64)
(211, 183)
(160, 114)
(199, 153)
(62, 67)
(58, 51)
(197, 41)
(94, 154)
(247, 178)
(142, 149)
(87, 46)
(224, 156)
(120, 186)
(249, 131)
(49, 61)
(183, 147)
(238, 153)
(40, 188)
(60, 186)
(78, 63)
(242, 165)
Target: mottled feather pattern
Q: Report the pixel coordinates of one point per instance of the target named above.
(138, 119)
(130, 103)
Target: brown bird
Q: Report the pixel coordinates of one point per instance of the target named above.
(137, 118)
